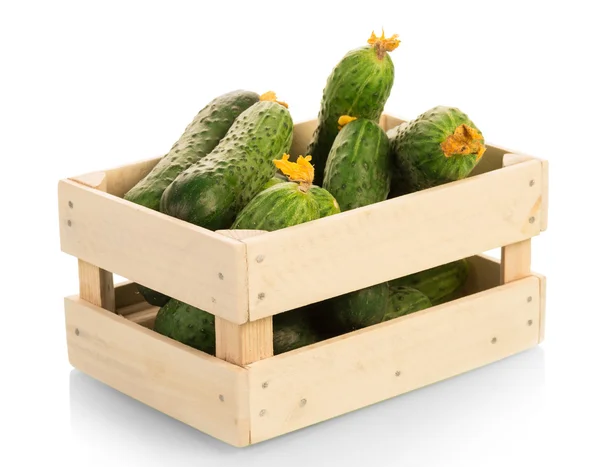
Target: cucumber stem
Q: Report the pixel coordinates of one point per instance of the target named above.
(383, 44)
(464, 141)
(300, 171)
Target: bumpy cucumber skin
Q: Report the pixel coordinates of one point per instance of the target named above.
(359, 86)
(356, 310)
(200, 137)
(278, 207)
(152, 296)
(214, 190)
(328, 205)
(440, 284)
(405, 300)
(187, 324)
(418, 160)
(358, 168)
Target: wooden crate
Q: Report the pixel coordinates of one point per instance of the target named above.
(244, 394)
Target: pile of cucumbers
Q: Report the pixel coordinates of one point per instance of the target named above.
(231, 169)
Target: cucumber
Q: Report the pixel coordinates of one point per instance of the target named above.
(187, 324)
(292, 330)
(285, 204)
(358, 169)
(152, 296)
(405, 300)
(358, 86)
(214, 190)
(441, 145)
(196, 328)
(440, 284)
(200, 137)
(355, 310)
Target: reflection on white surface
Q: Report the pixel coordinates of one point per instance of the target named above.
(435, 424)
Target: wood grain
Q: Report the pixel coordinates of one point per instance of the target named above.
(333, 377)
(394, 238)
(181, 260)
(196, 388)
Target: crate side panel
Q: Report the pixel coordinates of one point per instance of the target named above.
(181, 382)
(330, 378)
(390, 239)
(197, 266)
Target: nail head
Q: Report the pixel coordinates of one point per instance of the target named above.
(69, 223)
(494, 340)
(531, 182)
(221, 276)
(262, 413)
(261, 296)
(70, 204)
(221, 398)
(531, 220)
(530, 322)
(398, 373)
(260, 258)
(529, 299)
(76, 331)
(265, 385)
(302, 402)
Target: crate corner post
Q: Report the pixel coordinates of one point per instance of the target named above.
(245, 343)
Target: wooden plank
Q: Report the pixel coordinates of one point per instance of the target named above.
(542, 320)
(545, 196)
(516, 261)
(181, 260)
(484, 273)
(96, 286)
(186, 384)
(394, 238)
(126, 295)
(144, 317)
(243, 343)
(315, 383)
(303, 132)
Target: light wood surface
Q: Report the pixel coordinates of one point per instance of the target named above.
(96, 285)
(386, 240)
(194, 265)
(327, 379)
(249, 342)
(188, 385)
(516, 261)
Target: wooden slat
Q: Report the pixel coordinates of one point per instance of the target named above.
(335, 255)
(122, 179)
(516, 261)
(188, 385)
(327, 379)
(96, 285)
(127, 294)
(303, 132)
(243, 343)
(181, 260)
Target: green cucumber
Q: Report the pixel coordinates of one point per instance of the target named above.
(288, 203)
(355, 310)
(441, 145)
(213, 191)
(440, 284)
(196, 328)
(358, 169)
(152, 296)
(358, 86)
(292, 330)
(277, 178)
(405, 300)
(200, 137)
(187, 324)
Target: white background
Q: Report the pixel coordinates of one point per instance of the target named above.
(92, 85)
